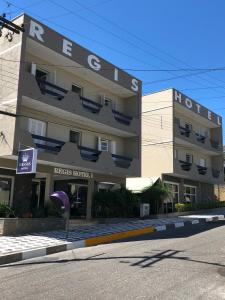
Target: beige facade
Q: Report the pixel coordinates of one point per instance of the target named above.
(182, 145)
(80, 112)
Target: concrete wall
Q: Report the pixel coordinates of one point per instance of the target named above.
(156, 129)
(20, 226)
(10, 56)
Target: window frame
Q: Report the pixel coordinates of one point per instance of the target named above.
(190, 194)
(12, 187)
(78, 86)
(79, 140)
(178, 189)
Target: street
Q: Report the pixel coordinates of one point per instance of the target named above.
(182, 263)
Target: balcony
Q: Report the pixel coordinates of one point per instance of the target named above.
(89, 154)
(215, 145)
(91, 105)
(48, 88)
(43, 95)
(122, 161)
(196, 139)
(81, 157)
(122, 118)
(215, 173)
(45, 143)
(185, 165)
(200, 138)
(201, 170)
(184, 131)
(197, 172)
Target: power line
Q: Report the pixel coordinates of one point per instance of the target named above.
(95, 41)
(132, 34)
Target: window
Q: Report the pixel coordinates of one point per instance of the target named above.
(77, 89)
(174, 189)
(37, 127)
(189, 194)
(74, 137)
(202, 162)
(189, 158)
(103, 144)
(41, 74)
(188, 126)
(108, 101)
(6, 184)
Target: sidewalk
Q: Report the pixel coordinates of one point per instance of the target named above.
(17, 248)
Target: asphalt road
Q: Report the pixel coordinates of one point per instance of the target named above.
(183, 263)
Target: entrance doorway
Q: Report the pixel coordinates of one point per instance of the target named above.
(38, 194)
(77, 191)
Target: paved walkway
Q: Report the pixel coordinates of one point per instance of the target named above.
(12, 244)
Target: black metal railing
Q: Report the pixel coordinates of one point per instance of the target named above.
(122, 161)
(215, 144)
(185, 131)
(89, 153)
(185, 165)
(200, 138)
(201, 170)
(51, 89)
(91, 105)
(122, 118)
(215, 173)
(48, 144)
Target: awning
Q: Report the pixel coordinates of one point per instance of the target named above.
(137, 184)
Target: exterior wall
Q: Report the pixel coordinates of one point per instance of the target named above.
(205, 191)
(10, 56)
(157, 128)
(65, 79)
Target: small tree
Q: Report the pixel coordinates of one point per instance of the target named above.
(155, 195)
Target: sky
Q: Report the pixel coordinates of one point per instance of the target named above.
(165, 38)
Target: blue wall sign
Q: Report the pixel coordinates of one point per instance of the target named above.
(27, 161)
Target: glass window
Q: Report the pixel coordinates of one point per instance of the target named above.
(189, 158)
(5, 190)
(77, 89)
(74, 137)
(174, 189)
(189, 194)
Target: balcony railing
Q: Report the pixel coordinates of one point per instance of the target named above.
(122, 161)
(184, 131)
(48, 144)
(51, 89)
(91, 105)
(185, 165)
(122, 118)
(215, 173)
(200, 138)
(89, 153)
(201, 170)
(215, 144)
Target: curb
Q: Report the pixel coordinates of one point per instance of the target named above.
(93, 241)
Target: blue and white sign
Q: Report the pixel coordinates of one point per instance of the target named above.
(27, 161)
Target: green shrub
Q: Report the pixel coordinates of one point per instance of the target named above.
(182, 207)
(155, 195)
(6, 211)
(120, 203)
